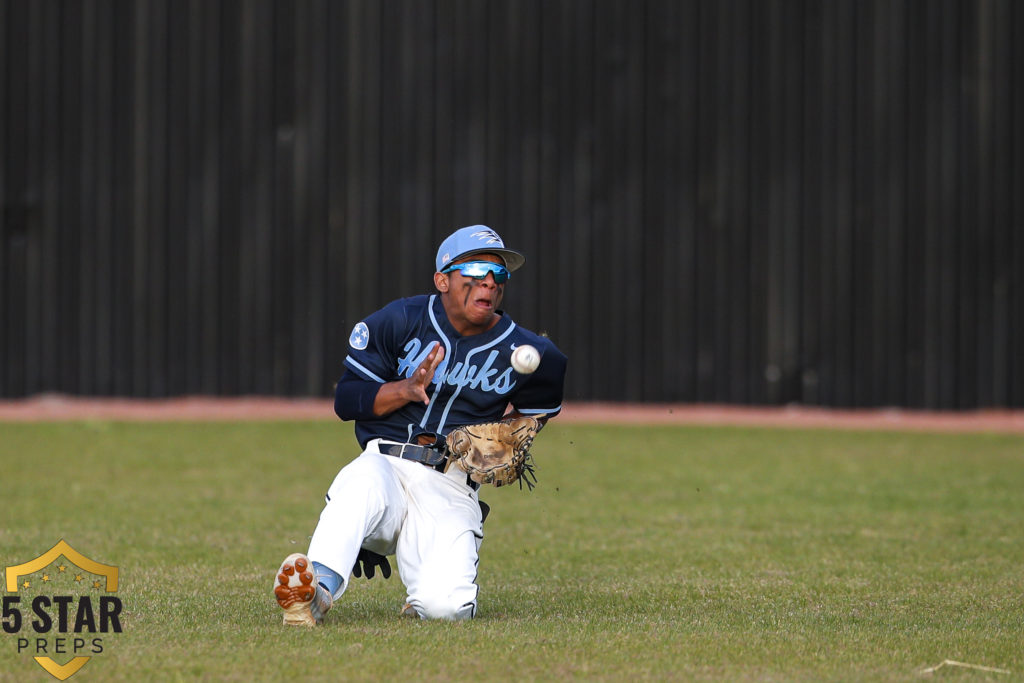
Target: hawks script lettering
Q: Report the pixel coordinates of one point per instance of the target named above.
(484, 378)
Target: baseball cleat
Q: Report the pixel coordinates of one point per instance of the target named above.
(304, 601)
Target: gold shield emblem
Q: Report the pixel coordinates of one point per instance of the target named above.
(108, 579)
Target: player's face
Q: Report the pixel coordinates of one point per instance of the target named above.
(471, 303)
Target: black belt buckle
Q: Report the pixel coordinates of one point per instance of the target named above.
(431, 457)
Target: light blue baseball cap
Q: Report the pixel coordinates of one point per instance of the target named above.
(476, 239)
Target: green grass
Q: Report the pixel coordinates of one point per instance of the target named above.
(645, 553)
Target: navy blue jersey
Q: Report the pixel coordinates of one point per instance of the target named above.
(474, 383)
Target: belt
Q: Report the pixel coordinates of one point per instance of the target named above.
(432, 457)
(407, 451)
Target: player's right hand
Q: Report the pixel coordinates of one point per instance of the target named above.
(394, 395)
(424, 374)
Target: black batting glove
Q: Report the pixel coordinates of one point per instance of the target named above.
(370, 561)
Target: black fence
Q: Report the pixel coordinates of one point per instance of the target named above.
(752, 201)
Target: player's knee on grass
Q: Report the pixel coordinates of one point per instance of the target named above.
(443, 608)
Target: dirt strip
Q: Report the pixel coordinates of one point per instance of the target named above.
(52, 407)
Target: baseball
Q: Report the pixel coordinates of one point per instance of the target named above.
(525, 359)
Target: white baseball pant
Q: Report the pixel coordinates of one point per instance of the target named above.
(430, 521)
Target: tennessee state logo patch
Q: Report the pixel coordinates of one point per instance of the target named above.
(360, 337)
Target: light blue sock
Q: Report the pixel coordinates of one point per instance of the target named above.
(328, 578)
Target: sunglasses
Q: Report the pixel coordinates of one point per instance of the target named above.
(479, 270)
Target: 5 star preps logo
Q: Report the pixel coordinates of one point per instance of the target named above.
(61, 608)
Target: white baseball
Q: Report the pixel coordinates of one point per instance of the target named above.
(525, 359)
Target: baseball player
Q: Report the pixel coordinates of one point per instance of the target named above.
(416, 369)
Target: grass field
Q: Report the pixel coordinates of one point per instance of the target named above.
(649, 554)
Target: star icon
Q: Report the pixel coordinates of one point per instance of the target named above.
(61, 568)
(46, 577)
(96, 585)
(27, 584)
(360, 336)
(78, 578)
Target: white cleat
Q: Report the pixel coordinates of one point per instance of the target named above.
(304, 601)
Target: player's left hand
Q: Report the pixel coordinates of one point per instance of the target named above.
(370, 561)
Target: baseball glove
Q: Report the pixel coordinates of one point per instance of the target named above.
(495, 452)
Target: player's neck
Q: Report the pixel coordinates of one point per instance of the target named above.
(467, 328)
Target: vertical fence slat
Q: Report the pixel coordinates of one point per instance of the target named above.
(970, 231)
(999, 278)
(583, 138)
(256, 209)
(1016, 297)
(287, 314)
(730, 231)
(138, 260)
(182, 271)
(122, 199)
(159, 153)
(68, 231)
(891, 74)
(310, 187)
(864, 221)
(948, 201)
(103, 268)
(710, 18)
(46, 344)
(14, 82)
(85, 177)
(812, 213)
(984, 186)
(230, 191)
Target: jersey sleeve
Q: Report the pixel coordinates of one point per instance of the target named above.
(354, 397)
(373, 344)
(542, 393)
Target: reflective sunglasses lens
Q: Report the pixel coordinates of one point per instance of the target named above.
(479, 270)
(500, 272)
(474, 269)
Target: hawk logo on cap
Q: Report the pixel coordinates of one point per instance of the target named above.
(488, 237)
